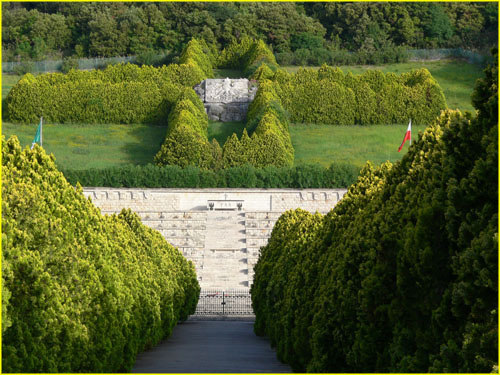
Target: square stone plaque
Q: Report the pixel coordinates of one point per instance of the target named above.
(226, 90)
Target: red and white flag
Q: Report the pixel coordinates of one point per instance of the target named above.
(407, 136)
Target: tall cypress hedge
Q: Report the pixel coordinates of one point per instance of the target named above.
(186, 142)
(81, 292)
(123, 93)
(270, 143)
(328, 96)
(402, 275)
(246, 54)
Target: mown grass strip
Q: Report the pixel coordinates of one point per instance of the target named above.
(354, 145)
(82, 146)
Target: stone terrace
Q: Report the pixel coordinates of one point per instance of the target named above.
(223, 242)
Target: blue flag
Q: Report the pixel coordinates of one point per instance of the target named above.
(38, 135)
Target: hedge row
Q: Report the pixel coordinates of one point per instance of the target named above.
(186, 141)
(118, 94)
(402, 275)
(245, 176)
(329, 96)
(89, 101)
(270, 143)
(81, 292)
(247, 54)
(197, 52)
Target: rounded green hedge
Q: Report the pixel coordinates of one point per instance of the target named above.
(105, 97)
(328, 96)
(122, 93)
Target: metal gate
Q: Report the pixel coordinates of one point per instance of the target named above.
(224, 302)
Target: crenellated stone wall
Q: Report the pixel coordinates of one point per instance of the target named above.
(267, 200)
(135, 199)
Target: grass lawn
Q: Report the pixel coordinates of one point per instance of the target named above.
(82, 146)
(8, 80)
(456, 77)
(325, 144)
(221, 130)
(228, 73)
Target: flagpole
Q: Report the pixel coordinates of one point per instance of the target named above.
(410, 134)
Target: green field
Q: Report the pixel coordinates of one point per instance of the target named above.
(221, 130)
(456, 77)
(349, 144)
(98, 146)
(94, 146)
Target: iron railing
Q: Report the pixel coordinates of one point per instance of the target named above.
(224, 302)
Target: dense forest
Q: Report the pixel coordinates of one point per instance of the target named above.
(37, 31)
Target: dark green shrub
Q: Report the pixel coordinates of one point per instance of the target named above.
(171, 176)
(68, 63)
(242, 176)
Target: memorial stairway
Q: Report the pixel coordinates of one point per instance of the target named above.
(220, 231)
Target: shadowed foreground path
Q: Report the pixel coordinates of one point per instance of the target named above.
(211, 347)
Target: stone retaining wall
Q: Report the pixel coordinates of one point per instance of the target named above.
(171, 200)
(224, 245)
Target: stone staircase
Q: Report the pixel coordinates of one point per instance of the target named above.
(224, 256)
(183, 229)
(258, 228)
(223, 245)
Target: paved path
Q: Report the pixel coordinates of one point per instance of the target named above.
(211, 347)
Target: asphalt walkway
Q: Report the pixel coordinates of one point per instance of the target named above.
(211, 347)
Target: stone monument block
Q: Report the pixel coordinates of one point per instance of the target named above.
(226, 99)
(226, 90)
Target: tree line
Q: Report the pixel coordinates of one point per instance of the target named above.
(42, 30)
(81, 292)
